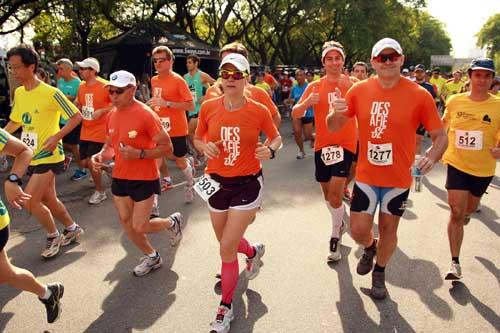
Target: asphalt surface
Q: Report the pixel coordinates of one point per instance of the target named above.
(296, 291)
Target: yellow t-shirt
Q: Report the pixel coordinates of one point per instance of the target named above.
(38, 111)
(473, 128)
(4, 214)
(452, 88)
(439, 82)
(264, 86)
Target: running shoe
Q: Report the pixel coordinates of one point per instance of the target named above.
(148, 264)
(189, 193)
(365, 263)
(71, 236)
(252, 268)
(222, 322)
(166, 184)
(53, 303)
(67, 162)
(97, 197)
(176, 228)
(455, 272)
(52, 246)
(378, 291)
(79, 175)
(335, 254)
(300, 155)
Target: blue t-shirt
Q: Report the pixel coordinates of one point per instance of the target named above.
(68, 88)
(296, 94)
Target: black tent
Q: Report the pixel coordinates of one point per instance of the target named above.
(131, 50)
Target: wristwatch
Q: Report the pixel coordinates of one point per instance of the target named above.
(273, 152)
(13, 178)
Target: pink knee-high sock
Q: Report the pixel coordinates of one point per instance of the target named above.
(245, 248)
(229, 280)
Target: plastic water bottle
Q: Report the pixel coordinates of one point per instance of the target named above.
(417, 175)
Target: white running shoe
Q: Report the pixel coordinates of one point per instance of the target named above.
(148, 264)
(455, 272)
(52, 247)
(189, 193)
(335, 254)
(300, 155)
(176, 228)
(222, 322)
(71, 236)
(97, 197)
(253, 265)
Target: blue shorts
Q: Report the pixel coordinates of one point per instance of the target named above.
(392, 200)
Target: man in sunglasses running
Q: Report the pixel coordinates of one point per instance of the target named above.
(388, 109)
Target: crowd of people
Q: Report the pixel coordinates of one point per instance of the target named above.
(368, 129)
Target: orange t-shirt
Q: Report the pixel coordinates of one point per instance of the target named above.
(134, 126)
(269, 79)
(387, 121)
(172, 88)
(255, 93)
(238, 132)
(347, 136)
(90, 98)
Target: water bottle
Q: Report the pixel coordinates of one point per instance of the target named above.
(417, 175)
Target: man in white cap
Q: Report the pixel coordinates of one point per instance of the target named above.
(94, 103)
(388, 109)
(136, 138)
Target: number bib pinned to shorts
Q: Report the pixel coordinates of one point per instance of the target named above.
(332, 154)
(87, 112)
(380, 154)
(30, 139)
(206, 187)
(165, 122)
(469, 140)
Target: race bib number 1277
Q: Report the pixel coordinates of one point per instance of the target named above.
(380, 154)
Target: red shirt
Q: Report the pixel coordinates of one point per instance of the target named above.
(91, 98)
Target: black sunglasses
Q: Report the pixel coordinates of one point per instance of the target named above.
(117, 91)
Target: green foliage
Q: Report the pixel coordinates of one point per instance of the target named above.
(489, 37)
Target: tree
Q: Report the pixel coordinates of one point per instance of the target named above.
(489, 37)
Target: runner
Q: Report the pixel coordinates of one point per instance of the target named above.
(231, 125)
(136, 136)
(38, 108)
(473, 123)
(453, 87)
(171, 99)
(16, 277)
(388, 109)
(94, 102)
(360, 70)
(420, 79)
(333, 152)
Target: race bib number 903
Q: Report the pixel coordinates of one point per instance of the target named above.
(380, 154)
(206, 187)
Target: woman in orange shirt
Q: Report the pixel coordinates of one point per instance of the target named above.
(228, 134)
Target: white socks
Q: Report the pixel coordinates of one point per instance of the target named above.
(47, 293)
(337, 217)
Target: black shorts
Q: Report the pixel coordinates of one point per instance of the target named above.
(366, 198)
(241, 193)
(459, 180)
(56, 168)
(421, 130)
(4, 237)
(307, 120)
(137, 190)
(355, 157)
(73, 137)
(325, 172)
(180, 145)
(89, 148)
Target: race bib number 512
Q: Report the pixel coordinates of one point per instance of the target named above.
(380, 154)
(206, 187)
(469, 140)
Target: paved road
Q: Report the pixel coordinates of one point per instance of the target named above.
(297, 291)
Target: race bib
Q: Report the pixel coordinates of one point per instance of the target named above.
(332, 155)
(30, 139)
(380, 154)
(165, 122)
(87, 112)
(469, 140)
(206, 187)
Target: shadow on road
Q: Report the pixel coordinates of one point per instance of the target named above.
(491, 267)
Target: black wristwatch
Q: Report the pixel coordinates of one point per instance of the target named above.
(273, 152)
(13, 178)
(142, 155)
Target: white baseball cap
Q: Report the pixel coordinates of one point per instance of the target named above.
(386, 43)
(89, 63)
(121, 79)
(332, 48)
(236, 59)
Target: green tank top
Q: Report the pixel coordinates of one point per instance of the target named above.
(196, 88)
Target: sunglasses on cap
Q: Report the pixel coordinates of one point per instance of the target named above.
(117, 91)
(236, 75)
(384, 57)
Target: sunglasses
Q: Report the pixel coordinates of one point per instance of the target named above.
(118, 91)
(384, 57)
(236, 75)
(160, 60)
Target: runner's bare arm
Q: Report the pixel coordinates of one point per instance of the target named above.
(299, 109)
(207, 79)
(435, 152)
(163, 148)
(12, 126)
(336, 119)
(210, 149)
(51, 143)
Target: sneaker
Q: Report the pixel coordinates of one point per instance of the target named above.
(97, 198)
(166, 184)
(189, 193)
(347, 194)
(155, 211)
(53, 303)
(455, 272)
(176, 229)
(222, 322)
(79, 175)
(300, 155)
(335, 254)
(365, 263)
(148, 264)
(253, 264)
(378, 291)
(67, 162)
(71, 236)
(52, 246)
(467, 219)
